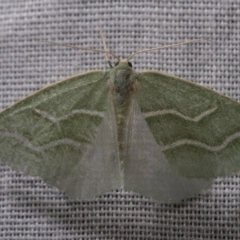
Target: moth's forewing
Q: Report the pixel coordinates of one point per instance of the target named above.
(197, 129)
(54, 134)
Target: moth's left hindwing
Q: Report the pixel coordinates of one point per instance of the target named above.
(197, 129)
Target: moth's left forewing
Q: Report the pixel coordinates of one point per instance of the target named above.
(197, 129)
(60, 134)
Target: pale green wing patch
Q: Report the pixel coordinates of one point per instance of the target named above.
(51, 134)
(197, 129)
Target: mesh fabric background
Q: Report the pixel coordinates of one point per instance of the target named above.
(29, 209)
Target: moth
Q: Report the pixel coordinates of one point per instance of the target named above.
(150, 133)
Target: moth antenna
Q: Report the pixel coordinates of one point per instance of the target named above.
(168, 46)
(105, 47)
(80, 48)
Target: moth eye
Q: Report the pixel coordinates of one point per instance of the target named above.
(116, 64)
(129, 64)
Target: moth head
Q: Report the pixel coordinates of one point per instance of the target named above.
(129, 63)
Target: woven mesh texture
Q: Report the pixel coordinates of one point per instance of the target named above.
(32, 210)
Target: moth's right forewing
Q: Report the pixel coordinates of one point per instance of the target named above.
(199, 129)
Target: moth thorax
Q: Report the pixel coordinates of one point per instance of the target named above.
(123, 84)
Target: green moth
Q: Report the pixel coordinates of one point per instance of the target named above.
(151, 133)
